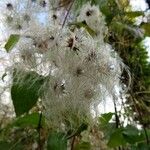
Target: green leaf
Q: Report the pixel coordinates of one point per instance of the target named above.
(85, 26)
(56, 141)
(108, 129)
(81, 128)
(83, 146)
(25, 91)
(124, 3)
(31, 120)
(119, 28)
(143, 146)
(12, 41)
(133, 14)
(131, 134)
(146, 27)
(105, 118)
(108, 7)
(116, 139)
(5, 145)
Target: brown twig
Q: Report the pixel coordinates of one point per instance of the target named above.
(72, 143)
(116, 114)
(68, 11)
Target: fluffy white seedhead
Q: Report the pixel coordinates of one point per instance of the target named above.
(80, 70)
(93, 18)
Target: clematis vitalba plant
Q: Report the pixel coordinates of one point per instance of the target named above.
(61, 64)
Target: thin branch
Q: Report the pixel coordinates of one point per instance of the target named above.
(68, 11)
(39, 131)
(15, 144)
(72, 143)
(64, 4)
(142, 92)
(116, 114)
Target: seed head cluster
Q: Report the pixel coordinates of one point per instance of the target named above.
(81, 69)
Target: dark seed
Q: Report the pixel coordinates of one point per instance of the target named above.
(43, 3)
(89, 13)
(19, 27)
(54, 17)
(9, 6)
(79, 71)
(91, 56)
(26, 17)
(70, 42)
(51, 38)
(55, 86)
(75, 49)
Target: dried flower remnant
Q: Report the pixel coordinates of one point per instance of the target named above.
(91, 56)
(70, 42)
